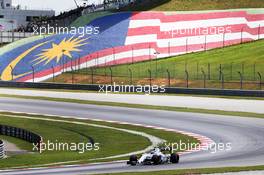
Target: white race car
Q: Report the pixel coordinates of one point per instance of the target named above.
(154, 157)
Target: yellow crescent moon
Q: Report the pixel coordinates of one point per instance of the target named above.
(7, 73)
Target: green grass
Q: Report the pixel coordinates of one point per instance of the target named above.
(112, 142)
(248, 58)
(167, 108)
(69, 133)
(86, 19)
(174, 5)
(195, 171)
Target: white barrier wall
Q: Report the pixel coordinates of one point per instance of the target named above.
(9, 37)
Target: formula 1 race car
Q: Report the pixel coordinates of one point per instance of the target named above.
(154, 157)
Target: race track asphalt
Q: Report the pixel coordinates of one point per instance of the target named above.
(245, 134)
(195, 102)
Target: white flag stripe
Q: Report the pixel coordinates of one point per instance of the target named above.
(143, 23)
(118, 56)
(194, 24)
(199, 39)
(137, 39)
(209, 23)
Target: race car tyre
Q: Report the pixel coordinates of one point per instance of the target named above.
(156, 159)
(174, 158)
(133, 160)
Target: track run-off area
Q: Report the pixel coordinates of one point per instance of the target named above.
(244, 133)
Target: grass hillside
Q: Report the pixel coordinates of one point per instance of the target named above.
(86, 19)
(247, 58)
(173, 5)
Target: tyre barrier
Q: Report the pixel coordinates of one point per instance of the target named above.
(21, 134)
(2, 150)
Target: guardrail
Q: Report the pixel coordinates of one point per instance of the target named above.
(169, 90)
(20, 134)
(2, 150)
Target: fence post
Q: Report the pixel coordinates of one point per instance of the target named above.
(259, 32)
(260, 80)
(222, 80)
(87, 75)
(76, 64)
(205, 42)
(79, 63)
(186, 64)
(231, 71)
(169, 52)
(131, 76)
(174, 70)
(98, 57)
(111, 74)
(241, 79)
(204, 78)
(186, 47)
(62, 59)
(197, 70)
(156, 62)
(150, 77)
(92, 75)
(86, 69)
(132, 55)
(33, 74)
(86, 63)
(72, 74)
(243, 68)
(169, 78)
(220, 71)
(209, 71)
(254, 71)
(114, 56)
(224, 39)
(53, 76)
(187, 78)
(241, 39)
(95, 62)
(149, 52)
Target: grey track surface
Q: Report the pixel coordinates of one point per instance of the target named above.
(245, 134)
(242, 173)
(237, 105)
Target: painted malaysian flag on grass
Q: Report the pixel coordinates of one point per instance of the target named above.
(130, 37)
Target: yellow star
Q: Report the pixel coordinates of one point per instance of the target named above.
(57, 51)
